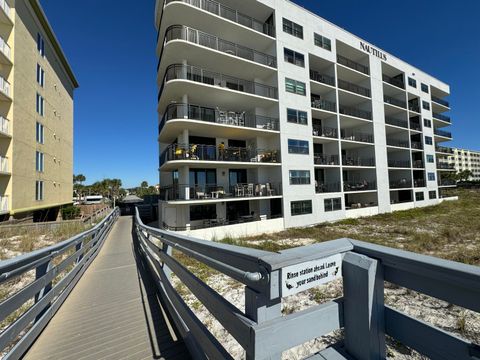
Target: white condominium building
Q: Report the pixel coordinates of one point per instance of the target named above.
(271, 117)
(463, 159)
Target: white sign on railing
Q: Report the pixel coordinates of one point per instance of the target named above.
(304, 276)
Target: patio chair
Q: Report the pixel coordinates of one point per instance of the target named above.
(250, 190)
(269, 189)
(239, 190)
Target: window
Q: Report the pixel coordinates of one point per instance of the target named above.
(419, 196)
(41, 44)
(297, 116)
(427, 123)
(412, 82)
(428, 140)
(40, 76)
(426, 105)
(425, 88)
(295, 87)
(430, 158)
(39, 190)
(432, 194)
(294, 57)
(431, 176)
(297, 147)
(203, 212)
(301, 207)
(334, 204)
(39, 161)
(40, 105)
(39, 133)
(299, 177)
(293, 29)
(321, 41)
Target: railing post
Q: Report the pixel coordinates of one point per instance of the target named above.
(363, 307)
(77, 248)
(260, 308)
(40, 271)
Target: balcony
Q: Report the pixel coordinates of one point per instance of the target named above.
(230, 14)
(4, 204)
(414, 106)
(355, 160)
(5, 88)
(4, 168)
(394, 81)
(5, 50)
(352, 135)
(6, 11)
(195, 74)
(324, 131)
(401, 184)
(217, 116)
(415, 126)
(324, 105)
(442, 117)
(440, 101)
(418, 164)
(342, 60)
(419, 183)
(417, 145)
(399, 163)
(442, 133)
(392, 101)
(197, 152)
(325, 159)
(216, 192)
(4, 126)
(443, 149)
(348, 86)
(324, 79)
(396, 122)
(355, 112)
(321, 188)
(445, 166)
(180, 32)
(398, 143)
(362, 185)
(447, 182)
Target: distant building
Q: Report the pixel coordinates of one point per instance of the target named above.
(463, 159)
(36, 114)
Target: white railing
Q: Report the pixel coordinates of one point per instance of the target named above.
(3, 203)
(4, 5)
(4, 86)
(4, 164)
(4, 125)
(5, 49)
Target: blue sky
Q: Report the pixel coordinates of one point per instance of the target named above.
(111, 47)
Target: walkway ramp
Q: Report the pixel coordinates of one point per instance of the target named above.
(112, 313)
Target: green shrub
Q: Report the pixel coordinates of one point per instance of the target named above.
(70, 212)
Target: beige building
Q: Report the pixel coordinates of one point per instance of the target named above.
(36, 114)
(463, 159)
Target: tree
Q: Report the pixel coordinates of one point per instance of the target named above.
(464, 175)
(144, 185)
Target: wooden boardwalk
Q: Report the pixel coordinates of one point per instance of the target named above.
(112, 313)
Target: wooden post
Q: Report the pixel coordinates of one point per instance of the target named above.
(363, 307)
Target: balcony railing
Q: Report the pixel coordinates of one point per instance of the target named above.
(324, 131)
(325, 159)
(361, 185)
(419, 183)
(392, 101)
(353, 64)
(353, 135)
(4, 125)
(217, 116)
(321, 188)
(180, 32)
(414, 107)
(418, 164)
(4, 86)
(4, 164)
(442, 117)
(440, 101)
(192, 73)
(5, 49)
(197, 152)
(356, 112)
(6, 8)
(324, 105)
(415, 126)
(394, 81)
(357, 89)
(417, 145)
(399, 163)
(401, 184)
(230, 14)
(355, 160)
(398, 143)
(216, 191)
(442, 133)
(4, 203)
(396, 122)
(325, 79)
(444, 149)
(445, 166)
(446, 182)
